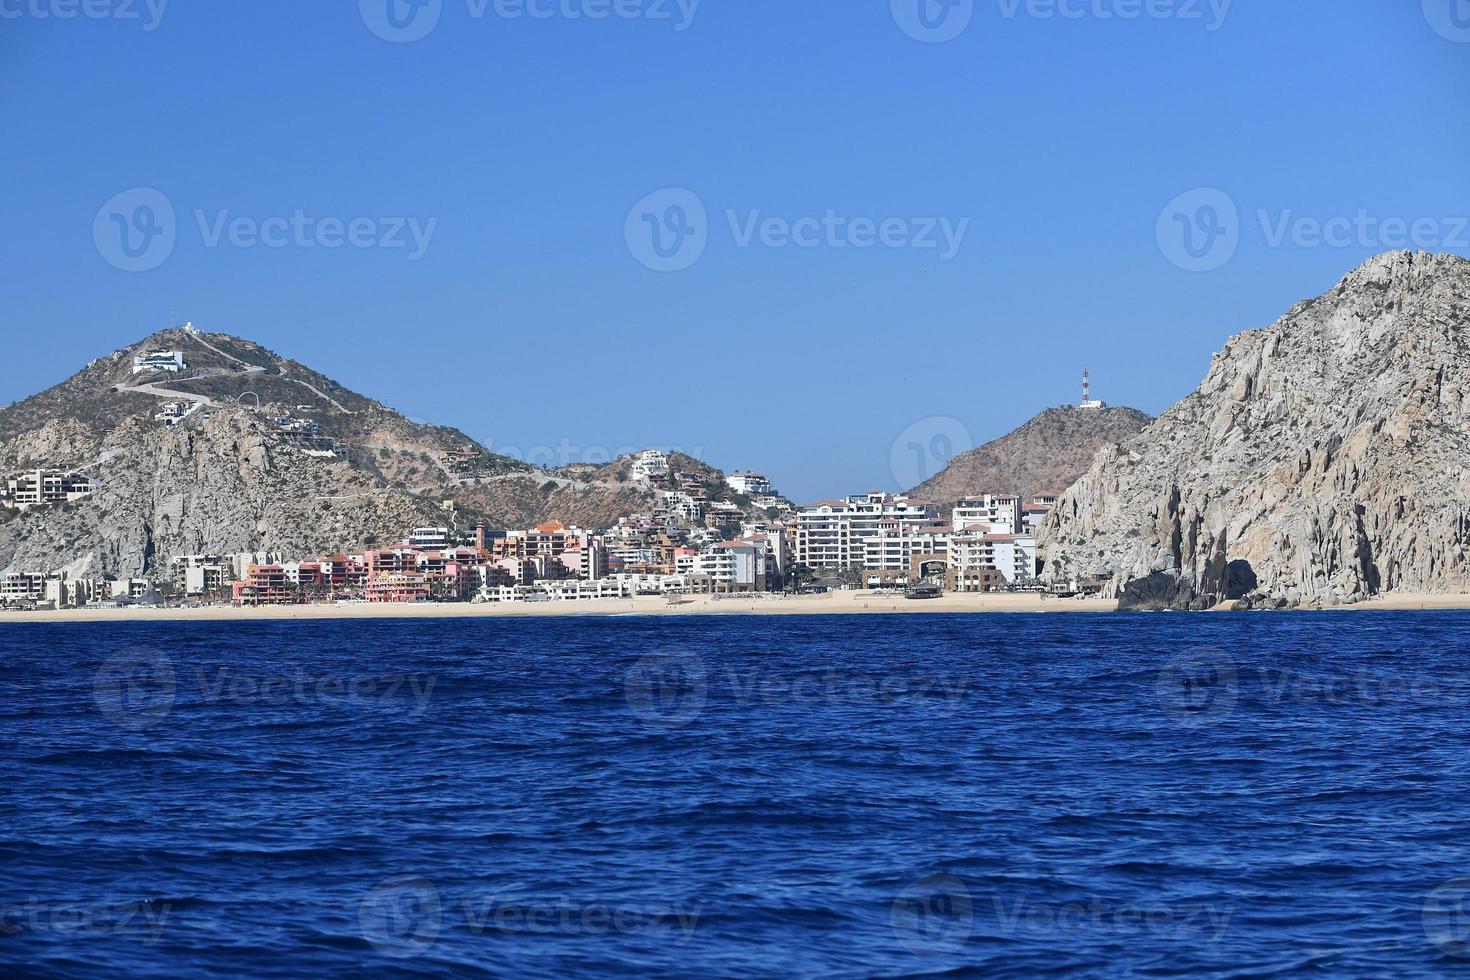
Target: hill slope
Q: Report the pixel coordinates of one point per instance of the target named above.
(1321, 460)
(1046, 454)
(274, 456)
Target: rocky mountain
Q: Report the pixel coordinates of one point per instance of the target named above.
(1045, 455)
(268, 455)
(1322, 460)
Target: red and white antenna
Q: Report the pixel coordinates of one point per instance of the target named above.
(1086, 387)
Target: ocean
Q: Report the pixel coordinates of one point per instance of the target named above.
(1202, 795)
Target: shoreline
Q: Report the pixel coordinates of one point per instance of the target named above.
(831, 604)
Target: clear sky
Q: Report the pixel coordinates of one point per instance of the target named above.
(972, 201)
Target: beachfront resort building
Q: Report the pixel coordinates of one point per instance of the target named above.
(834, 533)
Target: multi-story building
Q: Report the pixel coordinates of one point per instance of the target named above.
(196, 575)
(265, 585)
(397, 587)
(36, 488)
(750, 484)
(833, 533)
(1001, 513)
(429, 537)
(1012, 555)
(649, 465)
(159, 360)
(552, 540)
(20, 587)
(728, 566)
(891, 552)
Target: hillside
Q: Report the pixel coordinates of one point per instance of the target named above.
(272, 455)
(1322, 460)
(1046, 454)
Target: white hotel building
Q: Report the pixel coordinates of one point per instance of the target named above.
(1001, 513)
(834, 533)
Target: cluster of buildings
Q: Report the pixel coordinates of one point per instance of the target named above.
(697, 539)
(987, 543)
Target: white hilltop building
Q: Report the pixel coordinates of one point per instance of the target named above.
(171, 361)
(650, 464)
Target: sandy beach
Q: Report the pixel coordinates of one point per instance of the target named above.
(836, 603)
(832, 604)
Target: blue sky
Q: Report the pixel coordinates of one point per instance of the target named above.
(1067, 155)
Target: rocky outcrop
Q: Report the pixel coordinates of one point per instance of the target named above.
(225, 486)
(1045, 455)
(1323, 460)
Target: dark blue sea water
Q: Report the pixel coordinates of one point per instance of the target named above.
(1156, 795)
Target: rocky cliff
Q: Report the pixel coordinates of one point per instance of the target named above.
(1322, 460)
(1045, 455)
